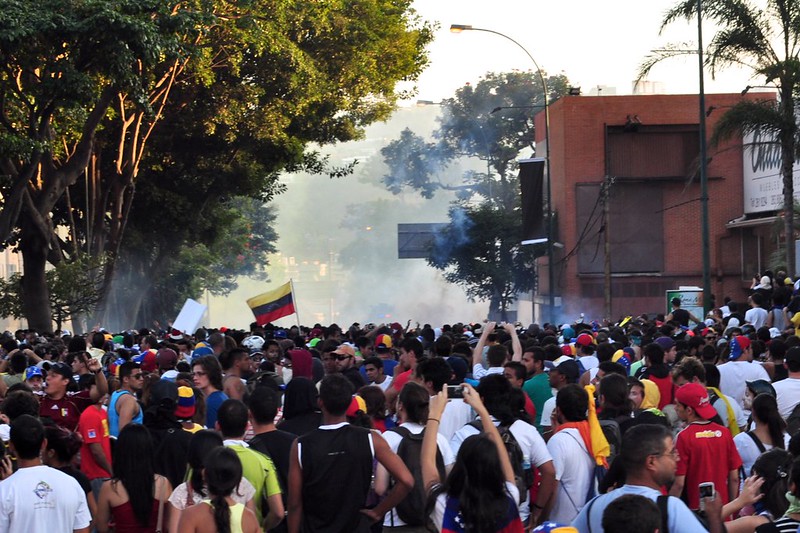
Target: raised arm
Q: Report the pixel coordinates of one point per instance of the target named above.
(477, 353)
(430, 474)
(516, 346)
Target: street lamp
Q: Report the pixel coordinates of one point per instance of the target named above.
(458, 28)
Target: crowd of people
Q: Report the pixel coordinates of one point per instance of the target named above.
(654, 423)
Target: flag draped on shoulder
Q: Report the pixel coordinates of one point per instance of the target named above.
(273, 305)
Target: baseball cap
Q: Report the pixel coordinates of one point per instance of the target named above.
(356, 404)
(584, 339)
(63, 369)
(185, 408)
(345, 349)
(166, 358)
(33, 371)
(383, 343)
(762, 386)
(694, 395)
(570, 370)
(738, 345)
(666, 343)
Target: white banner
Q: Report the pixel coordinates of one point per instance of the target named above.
(762, 183)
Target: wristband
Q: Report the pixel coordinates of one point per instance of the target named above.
(433, 419)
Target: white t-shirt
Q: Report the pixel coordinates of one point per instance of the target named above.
(385, 384)
(456, 414)
(437, 515)
(732, 377)
(788, 391)
(547, 411)
(393, 439)
(738, 412)
(589, 362)
(40, 499)
(243, 494)
(749, 452)
(478, 371)
(756, 316)
(574, 473)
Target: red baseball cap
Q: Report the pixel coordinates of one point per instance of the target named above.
(584, 339)
(695, 395)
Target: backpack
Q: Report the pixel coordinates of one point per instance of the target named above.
(523, 475)
(613, 435)
(793, 421)
(412, 509)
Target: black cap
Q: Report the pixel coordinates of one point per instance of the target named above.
(570, 370)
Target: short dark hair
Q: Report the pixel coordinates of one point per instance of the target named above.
(573, 402)
(633, 513)
(411, 344)
(518, 368)
(654, 353)
(18, 403)
(496, 355)
(336, 393)
(126, 369)
(435, 370)
(232, 418)
(640, 442)
(375, 361)
(27, 436)
(712, 375)
(263, 404)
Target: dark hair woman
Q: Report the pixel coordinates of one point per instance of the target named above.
(194, 490)
(220, 513)
(769, 431)
(486, 506)
(62, 447)
(135, 497)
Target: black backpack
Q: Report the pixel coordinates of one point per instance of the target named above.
(412, 509)
(523, 474)
(793, 421)
(613, 435)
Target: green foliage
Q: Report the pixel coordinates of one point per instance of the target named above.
(75, 289)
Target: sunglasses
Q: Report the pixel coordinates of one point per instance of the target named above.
(140, 375)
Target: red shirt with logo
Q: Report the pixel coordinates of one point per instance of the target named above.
(93, 427)
(707, 453)
(67, 411)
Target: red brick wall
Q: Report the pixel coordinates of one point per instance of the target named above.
(577, 129)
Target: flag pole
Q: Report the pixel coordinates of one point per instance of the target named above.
(296, 314)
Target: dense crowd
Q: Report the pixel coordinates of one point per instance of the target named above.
(668, 423)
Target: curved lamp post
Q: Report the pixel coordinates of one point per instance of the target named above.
(458, 28)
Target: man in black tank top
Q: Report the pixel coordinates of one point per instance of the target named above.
(679, 315)
(330, 470)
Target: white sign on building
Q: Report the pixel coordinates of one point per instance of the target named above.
(763, 185)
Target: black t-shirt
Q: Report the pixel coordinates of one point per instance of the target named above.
(276, 445)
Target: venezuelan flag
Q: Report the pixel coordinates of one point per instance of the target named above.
(272, 305)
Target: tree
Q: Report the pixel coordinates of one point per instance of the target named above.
(492, 122)
(263, 87)
(766, 39)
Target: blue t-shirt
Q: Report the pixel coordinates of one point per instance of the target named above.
(213, 402)
(680, 517)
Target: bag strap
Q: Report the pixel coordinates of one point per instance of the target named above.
(757, 441)
(663, 506)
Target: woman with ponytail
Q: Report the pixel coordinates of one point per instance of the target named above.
(220, 513)
(769, 432)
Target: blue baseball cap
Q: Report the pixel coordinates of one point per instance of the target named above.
(32, 372)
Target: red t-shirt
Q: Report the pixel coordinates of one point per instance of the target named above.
(93, 427)
(67, 411)
(707, 453)
(400, 381)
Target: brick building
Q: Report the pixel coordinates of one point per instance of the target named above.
(642, 151)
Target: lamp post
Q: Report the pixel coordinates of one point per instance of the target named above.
(458, 28)
(703, 169)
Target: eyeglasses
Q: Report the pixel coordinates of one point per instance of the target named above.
(343, 357)
(711, 337)
(199, 374)
(672, 453)
(140, 375)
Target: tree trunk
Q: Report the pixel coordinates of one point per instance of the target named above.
(35, 293)
(787, 139)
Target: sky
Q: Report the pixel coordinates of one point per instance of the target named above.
(592, 42)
